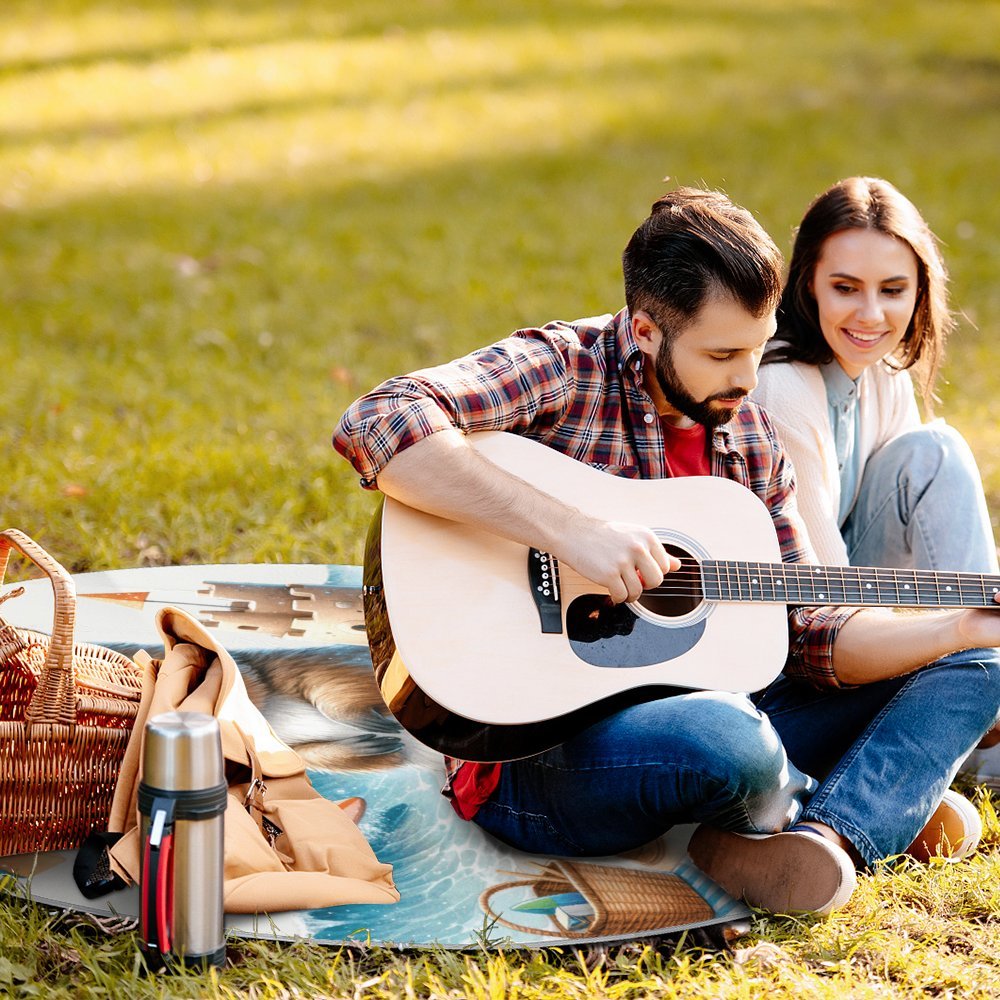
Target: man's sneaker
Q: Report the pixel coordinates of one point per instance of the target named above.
(953, 831)
(788, 872)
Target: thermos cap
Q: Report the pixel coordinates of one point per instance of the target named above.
(182, 752)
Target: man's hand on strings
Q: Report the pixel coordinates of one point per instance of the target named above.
(624, 558)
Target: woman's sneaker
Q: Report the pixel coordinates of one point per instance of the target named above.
(953, 832)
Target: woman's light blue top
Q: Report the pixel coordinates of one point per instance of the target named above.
(842, 401)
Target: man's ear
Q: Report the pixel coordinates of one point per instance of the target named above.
(646, 333)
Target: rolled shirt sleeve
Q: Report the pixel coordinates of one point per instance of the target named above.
(518, 383)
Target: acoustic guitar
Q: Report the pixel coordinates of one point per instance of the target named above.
(488, 650)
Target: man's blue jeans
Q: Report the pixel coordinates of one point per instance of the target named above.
(872, 762)
(698, 756)
(886, 752)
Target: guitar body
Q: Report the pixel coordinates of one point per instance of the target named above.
(475, 663)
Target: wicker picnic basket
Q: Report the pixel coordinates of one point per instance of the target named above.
(624, 900)
(66, 711)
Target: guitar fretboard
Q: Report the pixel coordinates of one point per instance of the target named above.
(800, 583)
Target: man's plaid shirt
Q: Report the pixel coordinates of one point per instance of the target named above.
(577, 387)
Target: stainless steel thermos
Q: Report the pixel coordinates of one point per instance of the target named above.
(182, 801)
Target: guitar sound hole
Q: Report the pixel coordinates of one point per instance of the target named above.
(680, 593)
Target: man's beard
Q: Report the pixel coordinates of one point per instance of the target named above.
(680, 399)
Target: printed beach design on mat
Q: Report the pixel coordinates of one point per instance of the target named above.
(297, 633)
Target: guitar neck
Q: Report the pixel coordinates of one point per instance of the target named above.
(801, 583)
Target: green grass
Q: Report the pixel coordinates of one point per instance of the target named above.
(909, 932)
(221, 221)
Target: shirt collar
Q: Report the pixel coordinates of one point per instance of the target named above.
(722, 440)
(628, 350)
(840, 387)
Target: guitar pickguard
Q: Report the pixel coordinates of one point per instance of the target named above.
(612, 635)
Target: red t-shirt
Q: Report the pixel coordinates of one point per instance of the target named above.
(686, 450)
(686, 455)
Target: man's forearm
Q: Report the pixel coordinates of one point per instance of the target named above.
(444, 475)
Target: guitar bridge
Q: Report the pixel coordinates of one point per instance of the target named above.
(543, 577)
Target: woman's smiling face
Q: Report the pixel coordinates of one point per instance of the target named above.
(865, 285)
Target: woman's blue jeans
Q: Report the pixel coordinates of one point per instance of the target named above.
(921, 506)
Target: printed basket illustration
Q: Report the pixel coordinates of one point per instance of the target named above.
(66, 711)
(622, 900)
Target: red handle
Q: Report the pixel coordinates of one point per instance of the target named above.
(156, 897)
(165, 893)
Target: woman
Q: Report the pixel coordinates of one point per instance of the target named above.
(865, 304)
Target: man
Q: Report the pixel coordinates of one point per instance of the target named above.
(852, 749)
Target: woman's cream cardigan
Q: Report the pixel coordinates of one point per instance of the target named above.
(794, 395)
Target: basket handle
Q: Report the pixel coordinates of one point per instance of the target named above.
(54, 700)
(485, 901)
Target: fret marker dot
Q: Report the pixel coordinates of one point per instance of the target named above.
(906, 586)
(947, 588)
(753, 579)
(780, 582)
(823, 596)
(868, 586)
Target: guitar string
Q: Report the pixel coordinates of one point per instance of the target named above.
(833, 599)
(848, 584)
(810, 571)
(806, 573)
(688, 581)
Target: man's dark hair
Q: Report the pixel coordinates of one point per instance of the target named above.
(694, 244)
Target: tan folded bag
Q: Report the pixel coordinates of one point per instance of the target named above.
(286, 847)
